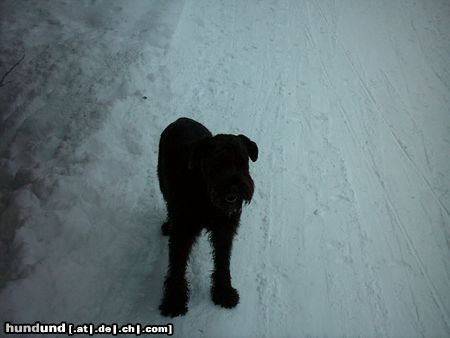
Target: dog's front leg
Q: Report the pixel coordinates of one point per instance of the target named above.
(222, 293)
(176, 291)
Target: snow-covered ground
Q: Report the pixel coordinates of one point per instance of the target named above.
(349, 102)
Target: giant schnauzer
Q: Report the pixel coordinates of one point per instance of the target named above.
(204, 180)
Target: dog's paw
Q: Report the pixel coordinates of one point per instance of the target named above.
(171, 307)
(176, 297)
(225, 297)
(165, 228)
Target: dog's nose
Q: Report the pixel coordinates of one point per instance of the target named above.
(231, 198)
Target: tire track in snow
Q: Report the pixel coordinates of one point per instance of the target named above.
(435, 295)
(372, 286)
(395, 219)
(395, 138)
(392, 210)
(395, 96)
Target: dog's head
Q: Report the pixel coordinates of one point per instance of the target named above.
(223, 164)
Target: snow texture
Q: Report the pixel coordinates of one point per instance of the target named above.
(349, 102)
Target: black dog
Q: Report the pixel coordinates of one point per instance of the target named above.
(204, 180)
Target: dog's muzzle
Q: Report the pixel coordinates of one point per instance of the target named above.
(230, 203)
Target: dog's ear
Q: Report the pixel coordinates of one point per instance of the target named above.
(252, 148)
(198, 150)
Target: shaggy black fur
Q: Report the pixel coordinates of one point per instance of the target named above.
(205, 180)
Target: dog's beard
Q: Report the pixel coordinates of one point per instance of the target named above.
(246, 189)
(219, 202)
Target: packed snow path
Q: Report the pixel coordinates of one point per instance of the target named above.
(349, 230)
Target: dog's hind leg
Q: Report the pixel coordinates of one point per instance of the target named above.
(176, 291)
(165, 228)
(222, 293)
(168, 224)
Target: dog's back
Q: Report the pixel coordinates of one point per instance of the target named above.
(183, 131)
(174, 150)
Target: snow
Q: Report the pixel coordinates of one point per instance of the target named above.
(349, 230)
